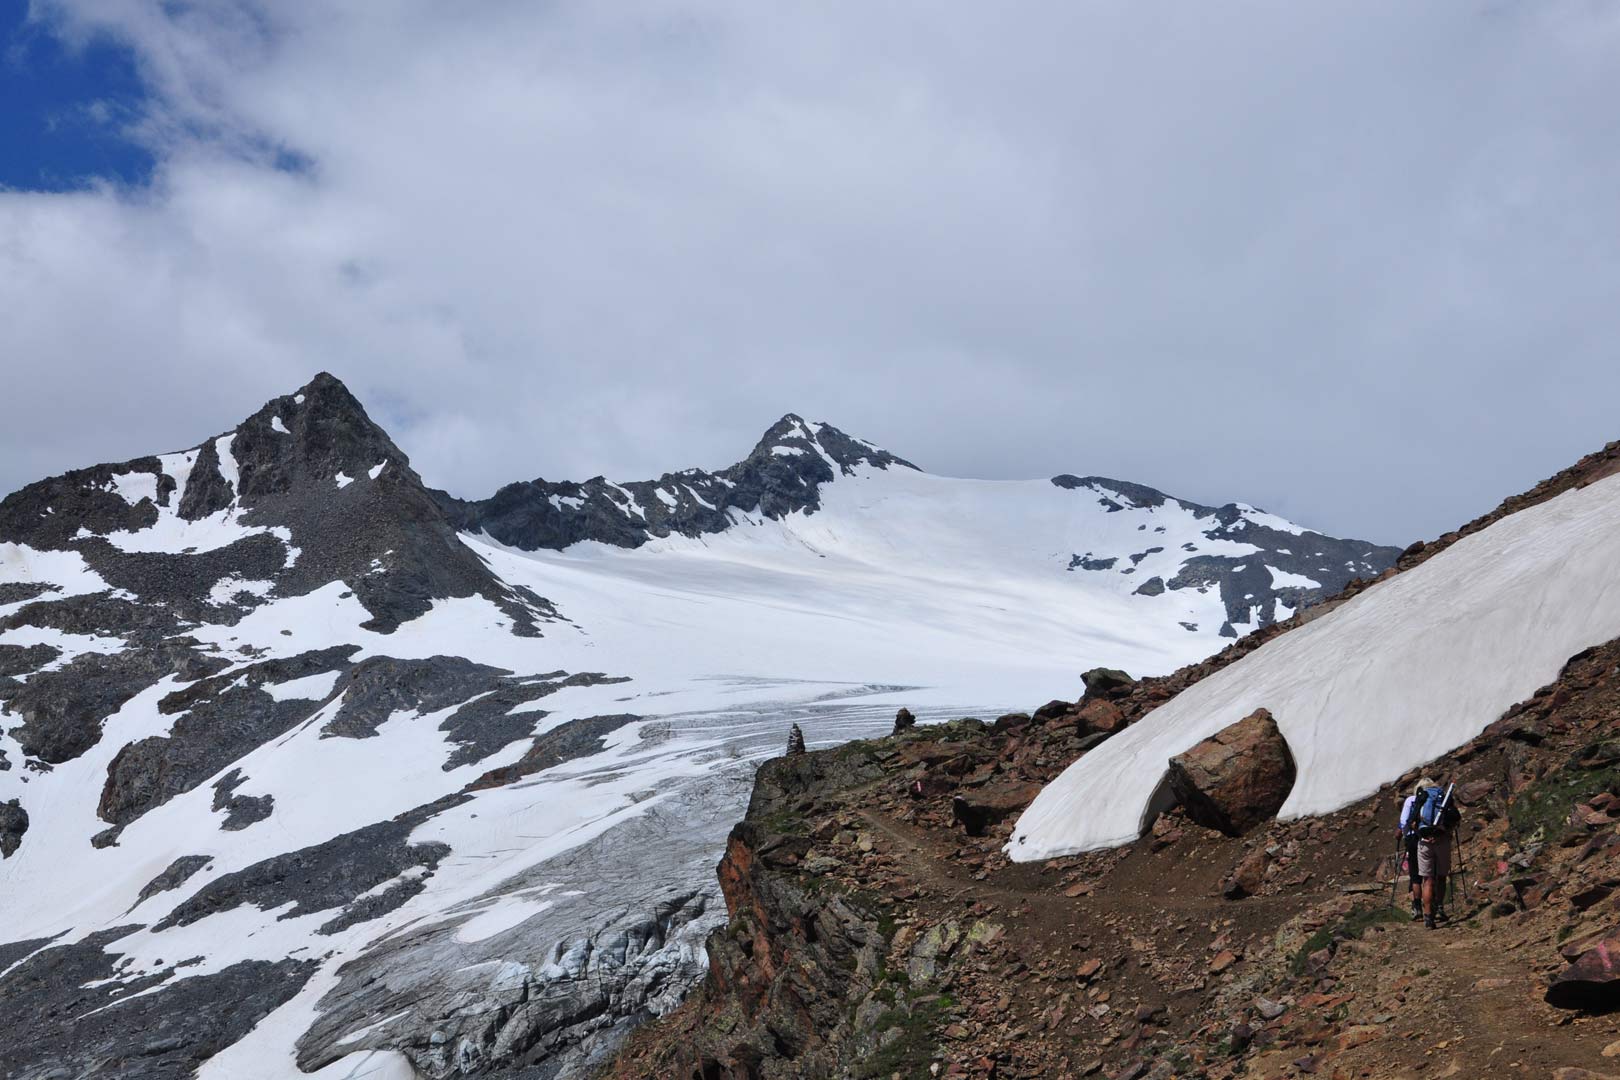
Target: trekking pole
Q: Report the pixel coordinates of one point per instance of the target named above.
(1462, 864)
(1400, 853)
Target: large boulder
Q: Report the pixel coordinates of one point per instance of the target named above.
(1592, 982)
(1236, 778)
(1107, 682)
(992, 804)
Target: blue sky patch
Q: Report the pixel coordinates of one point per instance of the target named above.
(64, 110)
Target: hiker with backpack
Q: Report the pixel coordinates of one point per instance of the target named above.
(1434, 819)
(1408, 833)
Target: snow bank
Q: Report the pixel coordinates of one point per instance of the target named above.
(1406, 671)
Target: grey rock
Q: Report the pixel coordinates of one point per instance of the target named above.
(69, 1013)
(13, 823)
(240, 810)
(781, 476)
(324, 876)
(174, 875)
(219, 720)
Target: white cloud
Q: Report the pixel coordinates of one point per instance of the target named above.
(1353, 262)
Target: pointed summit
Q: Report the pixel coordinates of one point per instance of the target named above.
(319, 434)
(792, 435)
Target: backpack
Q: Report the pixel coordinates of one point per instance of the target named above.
(1433, 812)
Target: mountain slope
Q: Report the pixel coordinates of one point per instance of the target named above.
(1394, 677)
(436, 786)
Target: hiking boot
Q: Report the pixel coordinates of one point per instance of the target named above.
(1417, 912)
(1428, 922)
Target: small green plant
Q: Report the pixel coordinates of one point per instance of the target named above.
(1353, 925)
(1544, 806)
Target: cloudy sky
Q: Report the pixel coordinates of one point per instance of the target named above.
(1356, 263)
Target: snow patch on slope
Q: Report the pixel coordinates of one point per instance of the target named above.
(1406, 671)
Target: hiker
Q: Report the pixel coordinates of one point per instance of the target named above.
(1408, 832)
(1436, 819)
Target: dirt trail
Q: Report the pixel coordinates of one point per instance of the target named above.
(1456, 1001)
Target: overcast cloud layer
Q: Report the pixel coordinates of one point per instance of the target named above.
(1352, 262)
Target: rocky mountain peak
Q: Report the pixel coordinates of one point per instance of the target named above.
(319, 434)
(793, 435)
(783, 474)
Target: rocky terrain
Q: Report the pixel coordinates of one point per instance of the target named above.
(306, 767)
(872, 933)
(877, 929)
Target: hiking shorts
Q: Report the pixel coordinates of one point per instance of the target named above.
(1412, 859)
(1434, 856)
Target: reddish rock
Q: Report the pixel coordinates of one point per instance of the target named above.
(981, 808)
(1236, 778)
(1248, 876)
(1592, 982)
(1099, 715)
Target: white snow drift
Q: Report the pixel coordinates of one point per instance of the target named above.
(1408, 670)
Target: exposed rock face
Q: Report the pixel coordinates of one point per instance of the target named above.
(782, 475)
(1236, 778)
(61, 1023)
(175, 875)
(240, 810)
(340, 873)
(1319, 566)
(13, 823)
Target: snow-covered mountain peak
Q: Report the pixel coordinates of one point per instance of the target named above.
(792, 436)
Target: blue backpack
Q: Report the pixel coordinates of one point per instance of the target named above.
(1432, 813)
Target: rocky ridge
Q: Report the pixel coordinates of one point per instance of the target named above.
(780, 476)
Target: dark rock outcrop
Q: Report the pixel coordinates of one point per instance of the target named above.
(783, 474)
(13, 823)
(61, 1019)
(174, 875)
(218, 720)
(1236, 778)
(63, 710)
(1592, 982)
(1107, 682)
(324, 876)
(566, 742)
(1248, 592)
(240, 810)
(982, 807)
